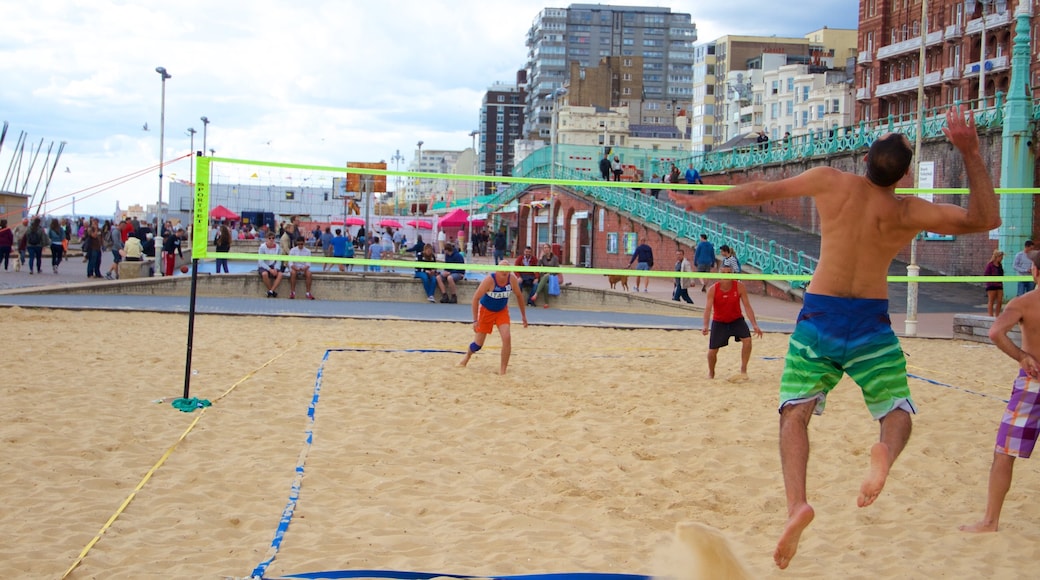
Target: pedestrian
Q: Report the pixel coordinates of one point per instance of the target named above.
(616, 169)
(6, 242)
(56, 236)
(704, 258)
(994, 290)
(222, 245)
(1022, 265)
(682, 283)
(35, 239)
(491, 310)
(643, 258)
(604, 167)
(849, 290)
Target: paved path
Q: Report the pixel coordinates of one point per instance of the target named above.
(935, 319)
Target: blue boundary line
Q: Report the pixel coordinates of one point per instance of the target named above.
(400, 575)
(294, 490)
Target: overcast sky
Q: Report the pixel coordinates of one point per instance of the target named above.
(307, 81)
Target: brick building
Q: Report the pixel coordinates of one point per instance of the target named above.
(890, 36)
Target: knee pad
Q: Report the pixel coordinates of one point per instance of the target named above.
(474, 347)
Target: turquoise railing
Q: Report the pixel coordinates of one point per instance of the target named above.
(581, 163)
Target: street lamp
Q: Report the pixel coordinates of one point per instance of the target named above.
(553, 138)
(397, 158)
(205, 125)
(191, 168)
(969, 7)
(162, 143)
(418, 182)
(472, 193)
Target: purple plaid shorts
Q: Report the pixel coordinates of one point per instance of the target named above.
(1021, 423)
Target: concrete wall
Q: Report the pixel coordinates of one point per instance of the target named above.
(374, 287)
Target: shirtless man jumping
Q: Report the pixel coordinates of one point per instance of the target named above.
(844, 324)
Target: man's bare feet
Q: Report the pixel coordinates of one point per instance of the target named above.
(799, 519)
(979, 527)
(741, 378)
(880, 461)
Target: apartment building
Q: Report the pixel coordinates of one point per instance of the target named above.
(501, 124)
(967, 53)
(587, 33)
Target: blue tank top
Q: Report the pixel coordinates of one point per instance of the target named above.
(498, 297)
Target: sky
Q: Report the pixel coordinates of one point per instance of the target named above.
(304, 81)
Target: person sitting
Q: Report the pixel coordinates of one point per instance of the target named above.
(428, 276)
(301, 269)
(134, 250)
(528, 280)
(551, 260)
(446, 279)
(270, 273)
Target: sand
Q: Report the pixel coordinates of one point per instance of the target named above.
(585, 457)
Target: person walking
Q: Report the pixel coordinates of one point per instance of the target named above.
(56, 236)
(643, 258)
(865, 225)
(35, 239)
(704, 258)
(682, 284)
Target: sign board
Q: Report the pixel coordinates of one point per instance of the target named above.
(926, 179)
(372, 183)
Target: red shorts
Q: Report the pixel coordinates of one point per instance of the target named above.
(487, 320)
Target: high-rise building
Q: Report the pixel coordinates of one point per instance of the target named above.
(711, 81)
(586, 34)
(958, 33)
(501, 123)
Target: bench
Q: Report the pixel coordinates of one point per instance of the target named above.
(130, 269)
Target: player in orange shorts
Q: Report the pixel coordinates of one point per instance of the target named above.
(491, 309)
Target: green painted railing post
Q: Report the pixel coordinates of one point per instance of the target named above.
(1016, 161)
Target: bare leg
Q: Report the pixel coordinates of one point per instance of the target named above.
(999, 484)
(507, 347)
(479, 339)
(794, 459)
(713, 357)
(895, 432)
(745, 355)
(307, 278)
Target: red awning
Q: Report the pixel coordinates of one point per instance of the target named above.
(222, 213)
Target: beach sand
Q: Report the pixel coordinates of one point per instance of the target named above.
(585, 457)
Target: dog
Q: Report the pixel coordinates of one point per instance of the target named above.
(615, 279)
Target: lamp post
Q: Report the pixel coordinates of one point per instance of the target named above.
(418, 181)
(162, 143)
(472, 193)
(191, 167)
(397, 159)
(913, 269)
(969, 6)
(553, 138)
(205, 125)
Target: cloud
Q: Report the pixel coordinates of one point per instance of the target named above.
(320, 82)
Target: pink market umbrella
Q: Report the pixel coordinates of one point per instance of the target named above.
(355, 221)
(389, 223)
(420, 224)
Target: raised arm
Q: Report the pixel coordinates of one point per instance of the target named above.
(806, 184)
(983, 211)
(998, 333)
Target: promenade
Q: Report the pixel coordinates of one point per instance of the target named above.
(935, 318)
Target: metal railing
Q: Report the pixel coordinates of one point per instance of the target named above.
(764, 255)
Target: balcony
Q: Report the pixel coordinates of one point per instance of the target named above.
(865, 58)
(907, 85)
(996, 64)
(953, 33)
(863, 94)
(951, 74)
(992, 21)
(910, 46)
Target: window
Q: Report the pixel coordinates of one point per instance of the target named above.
(835, 105)
(776, 87)
(774, 110)
(790, 107)
(805, 93)
(790, 84)
(820, 111)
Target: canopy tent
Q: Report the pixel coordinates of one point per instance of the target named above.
(458, 218)
(222, 213)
